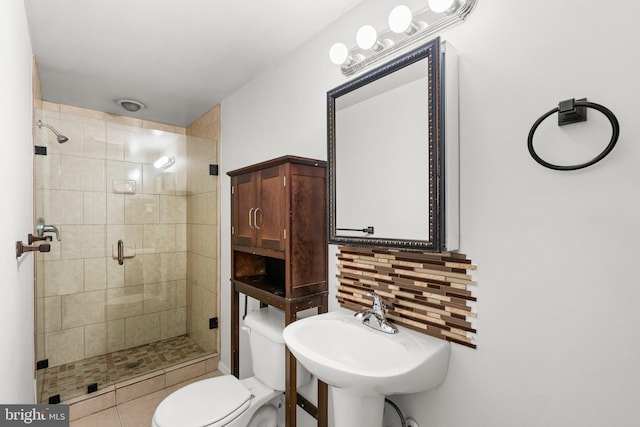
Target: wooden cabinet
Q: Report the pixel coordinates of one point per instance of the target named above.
(260, 204)
(279, 251)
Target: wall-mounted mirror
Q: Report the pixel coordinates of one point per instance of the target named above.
(390, 183)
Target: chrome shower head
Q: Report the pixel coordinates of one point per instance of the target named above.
(61, 138)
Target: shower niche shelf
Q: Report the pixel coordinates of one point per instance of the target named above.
(279, 252)
(123, 186)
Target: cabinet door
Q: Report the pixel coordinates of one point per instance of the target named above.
(271, 216)
(243, 209)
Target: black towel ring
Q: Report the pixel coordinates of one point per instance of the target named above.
(572, 111)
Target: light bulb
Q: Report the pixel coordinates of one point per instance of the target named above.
(367, 37)
(164, 162)
(439, 6)
(339, 53)
(160, 162)
(400, 19)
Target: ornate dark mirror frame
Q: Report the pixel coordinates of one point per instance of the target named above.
(435, 144)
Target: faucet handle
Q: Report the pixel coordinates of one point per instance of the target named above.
(362, 313)
(41, 228)
(378, 304)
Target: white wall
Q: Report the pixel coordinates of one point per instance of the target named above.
(558, 295)
(16, 286)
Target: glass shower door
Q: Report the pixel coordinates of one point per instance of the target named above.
(111, 295)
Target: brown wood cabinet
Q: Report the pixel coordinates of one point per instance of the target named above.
(279, 251)
(260, 198)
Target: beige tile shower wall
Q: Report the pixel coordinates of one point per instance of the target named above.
(91, 304)
(202, 229)
(429, 292)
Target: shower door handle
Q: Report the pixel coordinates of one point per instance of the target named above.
(120, 252)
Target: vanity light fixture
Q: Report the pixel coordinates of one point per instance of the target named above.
(406, 30)
(164, 162)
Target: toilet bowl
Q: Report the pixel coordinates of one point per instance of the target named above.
(229, 402)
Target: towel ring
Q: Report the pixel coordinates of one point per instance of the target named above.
(572, 111)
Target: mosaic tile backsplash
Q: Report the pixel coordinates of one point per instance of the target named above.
(427, 292)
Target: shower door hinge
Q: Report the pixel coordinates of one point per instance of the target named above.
(213, 170)
(213, 323)
(42, 364)
(40, 150)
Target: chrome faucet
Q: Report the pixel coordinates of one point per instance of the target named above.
(375, 317)
(41, 229)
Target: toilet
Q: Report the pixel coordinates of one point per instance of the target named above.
(227, 401)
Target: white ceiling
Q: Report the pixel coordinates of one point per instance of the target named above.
(178, 57)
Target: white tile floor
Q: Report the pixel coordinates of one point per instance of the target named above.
(135, 413)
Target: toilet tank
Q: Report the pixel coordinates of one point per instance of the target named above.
(268, 348)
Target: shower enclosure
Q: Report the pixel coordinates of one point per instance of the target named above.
(131, 286)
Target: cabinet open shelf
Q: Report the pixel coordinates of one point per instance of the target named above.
(259, 251)
(264, 283)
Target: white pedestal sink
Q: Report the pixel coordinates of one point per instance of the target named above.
(364, 365)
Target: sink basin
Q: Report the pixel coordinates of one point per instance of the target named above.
(363, 365)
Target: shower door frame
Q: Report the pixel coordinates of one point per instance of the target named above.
(150, 295)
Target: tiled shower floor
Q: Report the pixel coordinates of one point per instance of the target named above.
(72, 379)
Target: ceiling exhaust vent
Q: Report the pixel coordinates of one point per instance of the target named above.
(130, 105)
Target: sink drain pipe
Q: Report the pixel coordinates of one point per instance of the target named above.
(403, 421)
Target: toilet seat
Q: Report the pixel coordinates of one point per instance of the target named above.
(213, 402)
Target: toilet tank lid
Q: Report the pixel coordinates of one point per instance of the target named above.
(268, 322)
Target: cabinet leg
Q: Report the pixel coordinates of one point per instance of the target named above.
(323, 389)
(291, 392)
(235, 331)
(323, 404)
(324, 305)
